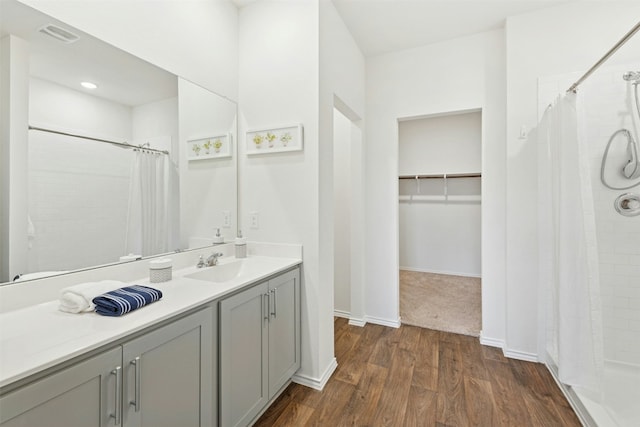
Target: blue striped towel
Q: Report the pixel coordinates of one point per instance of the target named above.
(124, 300)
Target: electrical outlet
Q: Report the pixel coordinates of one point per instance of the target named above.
(254, 219)
(226, 219)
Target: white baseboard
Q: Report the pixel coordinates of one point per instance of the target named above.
(520, 355)
(352, 320)
(357, 322)
(448, 273)
(384, 322)
(317, 383)
(491, 342)
(341, 313)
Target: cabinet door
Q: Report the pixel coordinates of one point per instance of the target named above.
(284, 329)
(168, 375)
(243, 356)
(83, 395)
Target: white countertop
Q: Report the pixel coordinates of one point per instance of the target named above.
(37, 337)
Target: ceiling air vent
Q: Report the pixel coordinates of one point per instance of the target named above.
(59, 33)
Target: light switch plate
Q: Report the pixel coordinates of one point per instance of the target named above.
(226, 219)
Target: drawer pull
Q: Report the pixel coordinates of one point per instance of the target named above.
(136, 366)
(118, 402)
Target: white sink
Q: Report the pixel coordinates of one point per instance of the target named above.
(219, 273)
(233, 269)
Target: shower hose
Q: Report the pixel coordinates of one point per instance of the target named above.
(630, 141)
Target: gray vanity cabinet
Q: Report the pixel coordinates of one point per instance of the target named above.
(284, 329)
(82, 395)
(162, 378)
(167, 375)
(259, 346)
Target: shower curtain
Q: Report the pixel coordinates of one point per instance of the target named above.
(568, 250)
(148, 219)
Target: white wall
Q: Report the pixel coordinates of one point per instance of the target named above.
(342, 87)
(14, 112)
(563, 39)
(449, 143)
(207, 187)
(296, 59)
(196, 40)
(460, 74)
(342, 197)
(78, 189)
(278, 71)
(440, 233)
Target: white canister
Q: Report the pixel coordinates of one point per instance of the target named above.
(160, 270)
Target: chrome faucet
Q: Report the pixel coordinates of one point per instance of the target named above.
(210, 262)
(213, 259)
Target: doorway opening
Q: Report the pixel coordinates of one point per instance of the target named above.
(348, 207)
(440, 163)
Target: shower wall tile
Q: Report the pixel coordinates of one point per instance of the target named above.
(607, 108)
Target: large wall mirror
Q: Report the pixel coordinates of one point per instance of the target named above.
(143, 164)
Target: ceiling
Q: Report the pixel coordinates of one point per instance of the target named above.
(380, 26)
(120, 76)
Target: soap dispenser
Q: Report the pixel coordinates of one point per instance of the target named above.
(218, 239)
(241, 246)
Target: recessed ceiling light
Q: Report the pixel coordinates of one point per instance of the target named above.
(89, 85)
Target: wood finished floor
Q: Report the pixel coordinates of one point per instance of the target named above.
(420, 377)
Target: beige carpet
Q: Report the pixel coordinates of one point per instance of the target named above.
(441, 302)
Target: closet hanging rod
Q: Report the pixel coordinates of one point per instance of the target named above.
(442, 175)
(606, 56)
(119, 144)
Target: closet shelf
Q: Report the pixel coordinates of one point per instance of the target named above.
(442, 175)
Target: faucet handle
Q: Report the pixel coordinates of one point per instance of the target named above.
(200, 262)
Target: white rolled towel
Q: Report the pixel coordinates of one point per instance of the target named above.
(77, 299)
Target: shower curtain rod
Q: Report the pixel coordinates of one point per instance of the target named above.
(606, 56)
(119, 144)
(442, 175)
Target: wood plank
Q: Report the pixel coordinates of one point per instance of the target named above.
(451, 399)
(352, 365)
(295, 414)
(546, 390)
(479, 399)
(425, 373)
(279, 406)
(336, 395)
(393, 401)
(385, 347)
(361, 409)
(493, 353)
(507, 395)
(346, 341)
(421, 407)
(472, 360)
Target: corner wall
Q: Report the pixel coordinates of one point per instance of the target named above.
(278, 74)
(455, 75)
(342, 86)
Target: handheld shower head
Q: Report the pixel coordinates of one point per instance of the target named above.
(632, 169)
(632, 76)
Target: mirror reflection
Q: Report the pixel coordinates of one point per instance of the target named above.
(110, 169)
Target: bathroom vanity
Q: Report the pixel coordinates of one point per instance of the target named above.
(219, 347)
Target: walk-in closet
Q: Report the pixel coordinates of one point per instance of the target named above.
(439, 178)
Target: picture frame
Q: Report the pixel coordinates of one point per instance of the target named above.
(212, 147)
(275, 140)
